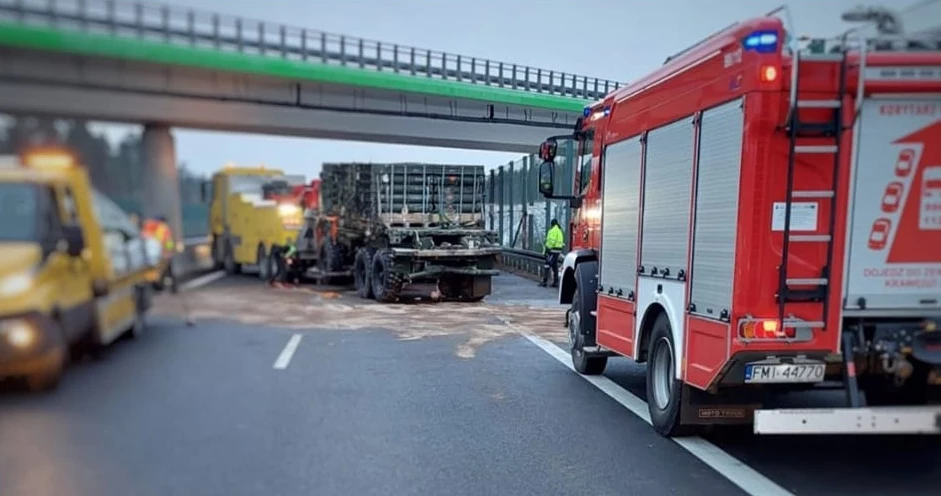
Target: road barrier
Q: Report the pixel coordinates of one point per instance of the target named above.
(523, 262)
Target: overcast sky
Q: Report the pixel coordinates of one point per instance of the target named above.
(614, 39)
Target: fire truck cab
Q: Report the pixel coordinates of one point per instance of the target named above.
(723, 231)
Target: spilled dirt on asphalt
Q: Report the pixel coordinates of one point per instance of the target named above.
(306, 308)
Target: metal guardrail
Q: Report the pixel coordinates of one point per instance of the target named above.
(183, 26)
(522, 261)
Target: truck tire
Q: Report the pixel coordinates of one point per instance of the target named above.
(330, 259)
(261, 259)
(48, 378)
(584, 363)
(386, 284)
(362, 273)
(139, 326)
(664, 392)
(228, 263)
(218, 253)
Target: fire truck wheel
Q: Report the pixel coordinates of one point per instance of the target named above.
(584, 363)
(361, 273)
(261, 259)
(663, 390)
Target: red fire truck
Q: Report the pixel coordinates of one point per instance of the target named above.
(725, 211)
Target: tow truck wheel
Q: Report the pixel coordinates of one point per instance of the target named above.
(228, 262)
(218, 253)
(664, 392)
(584, 363)
(48, 378)
(261, 259)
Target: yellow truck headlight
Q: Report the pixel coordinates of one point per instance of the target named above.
(287, 210)
(19, 333)
(16, 283)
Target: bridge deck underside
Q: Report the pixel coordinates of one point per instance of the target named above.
(57, 84)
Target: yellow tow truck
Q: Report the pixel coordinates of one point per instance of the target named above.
(73, 270)
(245, 221)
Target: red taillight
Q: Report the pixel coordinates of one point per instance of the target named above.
(768, 74)
(766, 329)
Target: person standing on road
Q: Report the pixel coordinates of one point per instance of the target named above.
(281, 258)
(552, 248)
(159, 229)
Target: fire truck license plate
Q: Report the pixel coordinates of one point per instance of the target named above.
(803, 372)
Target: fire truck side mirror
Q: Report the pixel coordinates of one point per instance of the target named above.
(548, 150)
(546, 179)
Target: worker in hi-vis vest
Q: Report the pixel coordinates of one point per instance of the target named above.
(159, 230)
(552, 248)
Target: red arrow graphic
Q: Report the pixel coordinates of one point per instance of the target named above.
(914, 243)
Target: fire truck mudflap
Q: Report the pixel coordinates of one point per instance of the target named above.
(894, 239)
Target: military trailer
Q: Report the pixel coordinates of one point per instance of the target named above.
(404, 229)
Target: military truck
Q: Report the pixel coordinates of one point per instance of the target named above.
(402, 229)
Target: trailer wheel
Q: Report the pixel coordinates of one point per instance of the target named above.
(361, 273)
(330, 260)
(584, 363)
(664, 392)
(386, 284)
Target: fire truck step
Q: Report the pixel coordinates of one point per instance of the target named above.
(812, 194)
(818, 103)
(805, 281)
(810, 238)
(815, 149)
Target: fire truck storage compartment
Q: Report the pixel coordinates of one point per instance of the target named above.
(716, 213)
(620, 210)
(894, 246)
(620, 207)
(668, 178)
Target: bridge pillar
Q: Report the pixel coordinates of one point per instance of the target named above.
(161, 182)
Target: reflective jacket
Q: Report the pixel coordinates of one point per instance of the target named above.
(162, 233)
(555, 240)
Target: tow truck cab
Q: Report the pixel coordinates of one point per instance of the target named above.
(71, 272)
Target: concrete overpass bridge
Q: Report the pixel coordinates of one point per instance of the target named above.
(164, 66)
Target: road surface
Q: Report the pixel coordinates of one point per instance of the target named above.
(295, 391)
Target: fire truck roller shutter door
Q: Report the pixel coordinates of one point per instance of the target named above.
(620, 208)
(665, 236)
(717, 197)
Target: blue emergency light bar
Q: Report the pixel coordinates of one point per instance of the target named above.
(761, 41)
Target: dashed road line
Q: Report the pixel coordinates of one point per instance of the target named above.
(284, 359)
(743, 476)
(202, 280)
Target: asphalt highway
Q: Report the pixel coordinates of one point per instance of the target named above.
(300, 391)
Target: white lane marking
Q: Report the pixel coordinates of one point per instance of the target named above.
(743, 476)
(202, 280)
(284, 359)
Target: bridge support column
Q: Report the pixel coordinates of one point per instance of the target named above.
(161, 182)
